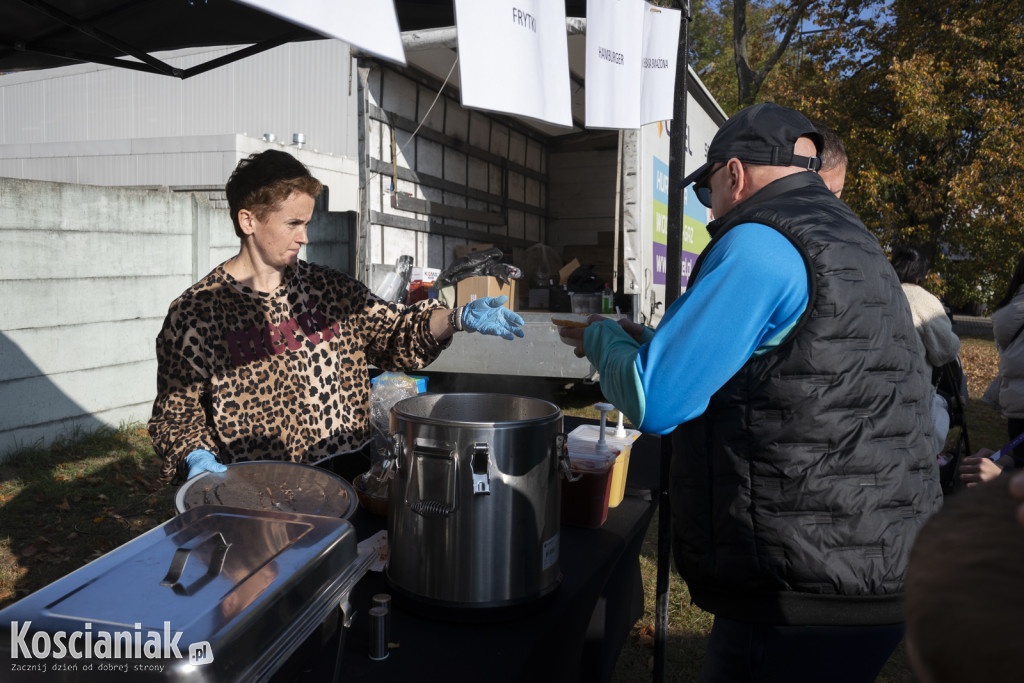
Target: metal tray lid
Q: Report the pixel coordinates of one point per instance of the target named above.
(271, 485)
(212, 574)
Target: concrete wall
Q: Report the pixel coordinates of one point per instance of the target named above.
(86, 279)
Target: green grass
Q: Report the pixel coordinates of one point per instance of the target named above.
(65, 505)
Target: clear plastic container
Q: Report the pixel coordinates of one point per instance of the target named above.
(585, 302)
(585, 501)
(582, 443)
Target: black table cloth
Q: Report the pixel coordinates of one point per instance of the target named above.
(576, 635)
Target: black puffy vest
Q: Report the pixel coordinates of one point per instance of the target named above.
(798, 493)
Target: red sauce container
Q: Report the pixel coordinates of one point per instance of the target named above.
(585, 501)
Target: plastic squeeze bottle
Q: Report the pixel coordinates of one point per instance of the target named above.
(607, 299)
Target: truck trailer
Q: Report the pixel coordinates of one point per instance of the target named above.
(438, 180)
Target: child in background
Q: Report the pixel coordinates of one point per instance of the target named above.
(963, 596)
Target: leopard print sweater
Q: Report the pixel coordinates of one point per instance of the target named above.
(284, 376)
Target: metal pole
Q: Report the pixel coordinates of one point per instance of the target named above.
(673, 276)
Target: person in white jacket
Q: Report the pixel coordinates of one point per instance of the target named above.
(1007, 390)
(939, 345)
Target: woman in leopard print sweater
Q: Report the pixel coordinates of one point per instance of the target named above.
(267, 357)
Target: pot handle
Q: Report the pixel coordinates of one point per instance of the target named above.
(562, 453)
(481, 462)
(395, 450)
(432, 483)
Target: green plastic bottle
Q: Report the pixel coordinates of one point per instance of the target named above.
(607, 299)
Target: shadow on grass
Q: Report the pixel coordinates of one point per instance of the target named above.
(66, 505)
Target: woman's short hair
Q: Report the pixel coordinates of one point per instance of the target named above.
(263, 180)
(910, 263)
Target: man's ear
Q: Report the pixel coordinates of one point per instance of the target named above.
(739, 179)
(246, 221)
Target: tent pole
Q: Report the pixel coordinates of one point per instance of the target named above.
(673, 277)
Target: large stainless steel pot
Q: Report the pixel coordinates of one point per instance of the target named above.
(474, 514)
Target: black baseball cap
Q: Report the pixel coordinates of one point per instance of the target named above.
(762, 134)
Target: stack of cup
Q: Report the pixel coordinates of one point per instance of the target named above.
(380, 626)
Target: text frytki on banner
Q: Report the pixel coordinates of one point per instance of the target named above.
(514, 58)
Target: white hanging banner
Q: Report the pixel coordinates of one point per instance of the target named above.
(615, 34)
(661, 45)
(514, 57)
(370, 25)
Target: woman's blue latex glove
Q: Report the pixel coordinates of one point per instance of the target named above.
(200, 461)
(489, 316)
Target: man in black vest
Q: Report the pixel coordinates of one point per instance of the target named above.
(802, 468)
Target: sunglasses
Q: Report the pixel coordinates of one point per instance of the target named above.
(702, 188)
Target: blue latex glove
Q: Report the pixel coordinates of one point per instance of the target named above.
(489, 316)
(200, 461)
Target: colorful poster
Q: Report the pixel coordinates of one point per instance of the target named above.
(695, 234)
(615, 32)
(659, 215)
(514, 58)
(369, 26)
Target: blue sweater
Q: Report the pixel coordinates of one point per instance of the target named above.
(752, 289)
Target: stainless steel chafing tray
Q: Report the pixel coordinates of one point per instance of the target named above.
(216, 594)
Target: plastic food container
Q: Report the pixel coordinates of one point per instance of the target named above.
(585, 302)
(421, 382)
(585, 501)
(582, 442)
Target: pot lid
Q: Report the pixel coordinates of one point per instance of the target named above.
(271, 485)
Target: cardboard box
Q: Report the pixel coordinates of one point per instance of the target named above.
(464, 249)
(567, 270)
(598, 257)
(473, 288)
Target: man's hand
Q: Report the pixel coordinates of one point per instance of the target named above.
(489, 316)
(634, 330)
(200, 461)
(573, 336)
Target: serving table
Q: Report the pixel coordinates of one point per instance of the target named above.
(576, 635)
